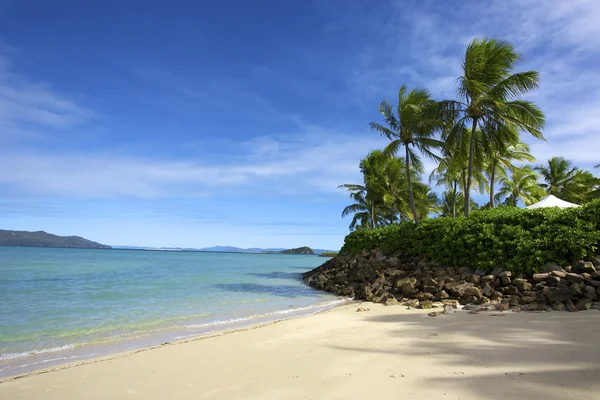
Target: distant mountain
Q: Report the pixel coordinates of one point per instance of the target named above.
(44, 239)
(220, 249)
(299, 250)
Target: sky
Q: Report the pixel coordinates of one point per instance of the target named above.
(202, 123)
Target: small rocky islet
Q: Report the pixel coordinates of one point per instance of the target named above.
(416, 282)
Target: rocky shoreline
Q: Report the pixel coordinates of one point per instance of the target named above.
(415, 282)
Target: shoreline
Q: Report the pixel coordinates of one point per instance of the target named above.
(341, 353)
(113, 348)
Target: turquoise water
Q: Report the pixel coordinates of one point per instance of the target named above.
(59, 304)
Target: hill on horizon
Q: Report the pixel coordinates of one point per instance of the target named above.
(45, 239)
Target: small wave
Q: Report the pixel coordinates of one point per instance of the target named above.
(316, 307)
(12, 356)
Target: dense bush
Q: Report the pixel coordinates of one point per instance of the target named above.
(512, 238)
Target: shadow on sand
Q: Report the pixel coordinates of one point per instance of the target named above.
(522, 356)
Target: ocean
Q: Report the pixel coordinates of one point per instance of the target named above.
(67, 305)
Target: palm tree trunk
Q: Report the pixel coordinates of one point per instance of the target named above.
(454, 200)
(470, 168)
(410, 191)
(492, 178)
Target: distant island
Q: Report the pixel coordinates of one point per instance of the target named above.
(227, 249)
(44, 239)
(299, 250)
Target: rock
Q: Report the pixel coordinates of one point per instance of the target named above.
(411, 303)
(361, 309)
(429, 282)
(575, 278)
(497, 271)
(527, 300)
(448, 309)
(487, 289)
(426, 304)
(505, 280)
(541, 277)
(596, 261)
(557, 294)
(532, 306)
(576, 290)
(570, 306)
(593, 283)
(513, 301)
(434, 314)
(509, 290)
(559, 306)
(496, 295)
(522, 285)
(452, 303)
(585, 266)
(441, 295)
(559, 274)
(554, 280)
(549, 267)
(590, 293)
(473, 292)
(487, 278)
(502, 306)
(459, 289)
(424, 296)
(584, 304)
(391, 302)
(473, 312)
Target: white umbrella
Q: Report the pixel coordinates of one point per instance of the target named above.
(552, 201)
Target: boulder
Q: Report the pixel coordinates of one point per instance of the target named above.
(553, 280)
(575, 278)
(584, 304)
(559, 306)
(590, 292)
(487, 278)
(522, 285)
(596, 261)
(487, 289)
(411, 303)
(559, 274)
(570, 306)
(473, 291)
(557, 294)
(441, 295)
(497, 271)
(541, 277)
(391, 302)
(585, 266)
(426, 304)
(458, 290)
(549, 267)
(423, 296)
(527, 300)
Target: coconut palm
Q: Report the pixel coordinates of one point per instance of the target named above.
(519, 184)
(558, 176)
(447, 204)
(363, 210)
(489, 97)
(500, 156)
(409, 124)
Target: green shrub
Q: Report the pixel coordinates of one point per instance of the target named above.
(512, 238)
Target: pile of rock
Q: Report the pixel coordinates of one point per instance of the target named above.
(415, 282)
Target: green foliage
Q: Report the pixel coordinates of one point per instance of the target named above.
(518, 240)
(328, 254)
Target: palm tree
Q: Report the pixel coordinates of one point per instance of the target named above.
(409, 125)
(489, 97)
(500, 156)
(447, 205)
(520, 185)
(558, 177)
(363, 209)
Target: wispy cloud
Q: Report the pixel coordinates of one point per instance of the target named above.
(26, 104)
(289, 165)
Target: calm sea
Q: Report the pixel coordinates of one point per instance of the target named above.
(64, 305)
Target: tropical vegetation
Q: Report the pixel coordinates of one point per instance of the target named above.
(475, 141)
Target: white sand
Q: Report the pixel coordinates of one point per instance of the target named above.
(385, 353)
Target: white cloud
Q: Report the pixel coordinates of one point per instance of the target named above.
(288, 165)
(25, 103)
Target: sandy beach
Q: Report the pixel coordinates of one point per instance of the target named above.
(386, 352)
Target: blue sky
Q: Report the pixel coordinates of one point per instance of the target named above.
(196, 123)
